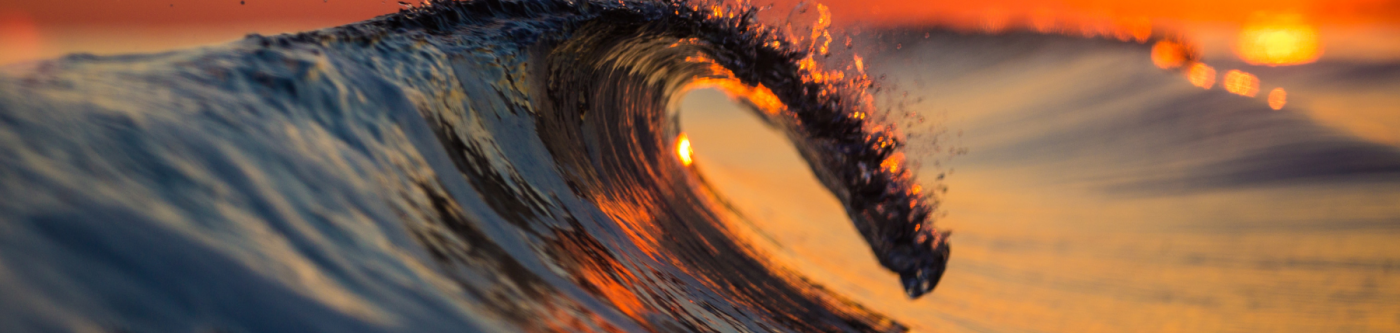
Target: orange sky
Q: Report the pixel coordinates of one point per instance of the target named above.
(193, 12)
(187, 12)
(37, 29)
(1229, 11)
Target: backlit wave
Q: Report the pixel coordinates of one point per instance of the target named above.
(468, 166)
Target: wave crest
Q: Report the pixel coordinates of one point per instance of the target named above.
(519, 149)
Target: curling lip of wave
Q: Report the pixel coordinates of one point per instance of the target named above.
(847, 153)
(520, 149)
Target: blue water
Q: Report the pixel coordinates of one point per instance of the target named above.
(481, 166)
(512, 166)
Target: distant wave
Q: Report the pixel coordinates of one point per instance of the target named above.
(479, 166)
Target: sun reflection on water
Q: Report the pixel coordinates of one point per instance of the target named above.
(683, 149)
(1241, 83)
(1277, 98)
(1168, 54)
(1201, 75)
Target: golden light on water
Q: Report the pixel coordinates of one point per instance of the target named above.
(1277, 98)
(1241, 83)
(1201, 75)
(721, 78)
(760, 96)
(1278, 40)
(1168, 54)
(683, 149)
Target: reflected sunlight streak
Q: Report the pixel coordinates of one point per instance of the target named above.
(1202, 75)
(1277, 98)
(1168, 54)
(1241, 83)
(683, 149)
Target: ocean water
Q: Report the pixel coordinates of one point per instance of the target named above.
(517, 166)
(1100, 193)
(460, 166)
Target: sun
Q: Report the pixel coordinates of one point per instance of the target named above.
(1278, 40)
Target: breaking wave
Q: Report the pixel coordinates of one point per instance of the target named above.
(479, 166)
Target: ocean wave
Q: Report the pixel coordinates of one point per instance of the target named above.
(484, 165)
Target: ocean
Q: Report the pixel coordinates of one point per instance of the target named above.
(504, 166)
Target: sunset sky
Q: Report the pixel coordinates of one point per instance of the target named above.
(1330, 12)
(203, 12)
(37, 29)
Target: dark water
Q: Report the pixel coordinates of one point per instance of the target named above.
(481, 166)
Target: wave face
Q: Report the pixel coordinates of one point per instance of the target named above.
(479, 166)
